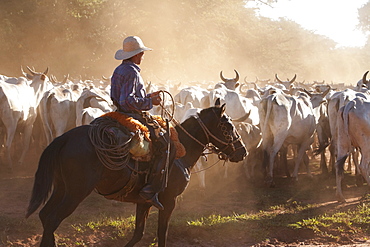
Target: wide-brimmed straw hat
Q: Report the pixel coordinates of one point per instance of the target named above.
(132, 45)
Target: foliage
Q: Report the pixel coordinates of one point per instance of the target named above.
(364, 17)
(192, 40)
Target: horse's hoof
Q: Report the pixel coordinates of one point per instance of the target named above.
(269, 182)
(341, 199)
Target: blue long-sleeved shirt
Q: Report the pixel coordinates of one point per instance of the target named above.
(127, 88)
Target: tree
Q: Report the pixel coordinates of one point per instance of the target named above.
(364, 17)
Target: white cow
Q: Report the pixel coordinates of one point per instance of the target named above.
(320, 110)
(241, 109)
(363, 84)
(229, 83)
(353, 127)
(58, 112)
(283, 119)
(88, 114)
(252, 138)
(287, 84)
(19, 102)
(194, 94)
(181, 111)
(336, 101)
(95, 99)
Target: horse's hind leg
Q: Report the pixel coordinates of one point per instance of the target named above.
(61, 204)
(47, 210)
(142, 213)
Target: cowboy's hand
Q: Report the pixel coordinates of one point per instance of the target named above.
(156, 99)
(154, 93)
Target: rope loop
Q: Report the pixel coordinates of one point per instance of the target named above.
(113, 154)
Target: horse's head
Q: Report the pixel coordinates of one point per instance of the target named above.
(222, 133)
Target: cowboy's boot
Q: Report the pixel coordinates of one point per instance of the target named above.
(150, 195)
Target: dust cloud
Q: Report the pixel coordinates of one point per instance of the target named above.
(192, 42)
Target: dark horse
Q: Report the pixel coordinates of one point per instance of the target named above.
(69, 169)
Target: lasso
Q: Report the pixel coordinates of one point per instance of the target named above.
(164, 111)
(113, 155)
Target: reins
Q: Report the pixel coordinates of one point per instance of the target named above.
(213, 149)
(208, 167)
(206, 131)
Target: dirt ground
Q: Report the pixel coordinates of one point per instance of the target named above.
(231, 196)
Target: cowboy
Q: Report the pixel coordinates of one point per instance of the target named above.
(128, 94)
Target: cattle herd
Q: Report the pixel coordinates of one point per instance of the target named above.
(274, 118)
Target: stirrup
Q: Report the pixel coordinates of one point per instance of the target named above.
(152, 199)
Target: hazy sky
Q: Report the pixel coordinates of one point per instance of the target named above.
(336, 19)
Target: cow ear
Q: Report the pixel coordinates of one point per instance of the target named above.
(223, 109)
(29, 77)
(218, 102)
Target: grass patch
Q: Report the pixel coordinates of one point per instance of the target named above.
(338, 224)
(273, 212)
(117, 226)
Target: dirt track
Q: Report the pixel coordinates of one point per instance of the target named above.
(224, 197)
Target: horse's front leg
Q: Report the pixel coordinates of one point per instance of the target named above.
(164, 218)
(142, 212)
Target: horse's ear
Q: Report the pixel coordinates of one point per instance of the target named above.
(218, 102)
(223, 109)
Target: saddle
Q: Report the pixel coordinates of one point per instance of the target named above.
(126, 138)
(117, 138)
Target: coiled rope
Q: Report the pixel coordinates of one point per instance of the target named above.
(111, 153)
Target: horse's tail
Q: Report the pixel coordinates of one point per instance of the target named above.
(44, 176)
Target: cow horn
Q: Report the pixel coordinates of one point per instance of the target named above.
(30, 70)
(53, 79)
(255, 86)
(241, 87)
(233, 80)
(326, 91)
(237, 76)
(222, 77)
(364, 78)
(46, 71)
(65, 79)
(24, 73)
(292, 80)
(245, 79)
(277, 78)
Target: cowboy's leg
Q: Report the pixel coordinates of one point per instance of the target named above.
(155, 181)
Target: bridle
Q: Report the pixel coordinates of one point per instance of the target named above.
(213, 149)
(209, 146)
